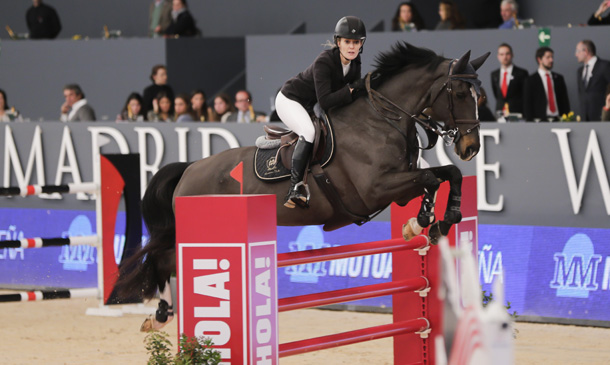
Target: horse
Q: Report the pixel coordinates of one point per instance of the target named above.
(374, 163)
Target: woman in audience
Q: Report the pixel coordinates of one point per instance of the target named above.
(450, 16)
(199, 103)
(182, 105)
(222, 107)
(159, 79)
(7, 114)
(406, 17)
(183, 23)
(162, 109)
(132, 111)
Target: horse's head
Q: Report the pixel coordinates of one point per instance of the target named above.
(453, 100)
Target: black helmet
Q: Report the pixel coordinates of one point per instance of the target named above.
(350, 27)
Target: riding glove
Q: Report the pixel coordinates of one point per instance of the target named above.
(357, 85)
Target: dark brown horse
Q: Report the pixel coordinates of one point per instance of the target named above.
(375, 160)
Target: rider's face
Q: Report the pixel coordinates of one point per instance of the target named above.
(350, 48)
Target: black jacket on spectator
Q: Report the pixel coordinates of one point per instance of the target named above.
(183, 26)
(43, 22)
(514, 94)
(151, 92)
(535, 99)
(323, 82)
(593, 97)
(593, 20)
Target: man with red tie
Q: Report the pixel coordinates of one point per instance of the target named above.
(545, 94)
(507, 82)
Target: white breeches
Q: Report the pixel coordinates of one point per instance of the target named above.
(294, 116)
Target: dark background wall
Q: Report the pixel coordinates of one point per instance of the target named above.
(233, 18)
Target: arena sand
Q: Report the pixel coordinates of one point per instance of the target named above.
(59, 332)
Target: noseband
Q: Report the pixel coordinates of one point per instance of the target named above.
(460, 128)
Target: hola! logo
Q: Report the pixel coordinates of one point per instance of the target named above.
(576, 268)
(211, 298)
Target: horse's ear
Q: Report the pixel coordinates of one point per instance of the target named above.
(478, 62)
(461, 64)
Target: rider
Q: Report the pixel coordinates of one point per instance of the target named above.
(330, 81)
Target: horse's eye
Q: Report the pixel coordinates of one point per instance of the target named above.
(460, 95)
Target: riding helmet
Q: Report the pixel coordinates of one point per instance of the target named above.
(350, 27)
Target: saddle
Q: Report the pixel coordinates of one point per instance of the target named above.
(273, 157)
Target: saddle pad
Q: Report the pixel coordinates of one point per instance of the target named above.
(267, 168)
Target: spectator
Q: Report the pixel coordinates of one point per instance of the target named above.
(601, 15)
(545, 95)
(199, 103)
(508, 12)
(183, 24)
(162, 109)
(485, 115)
(222, 108)
(593, 79)
(507, 82)
(159, 79)
(159, 17)
(184, 112)
(7, 114)
(245, 111)
(484, 14)
(606, 108)
(75, 108)
(132, 111)
(42, 20)
(450, 16)
(407, 17)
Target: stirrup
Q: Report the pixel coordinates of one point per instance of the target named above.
(294, 198)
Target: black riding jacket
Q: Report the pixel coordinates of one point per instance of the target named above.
(323, 82)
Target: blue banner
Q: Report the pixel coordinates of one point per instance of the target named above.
(547, 271)
(64, 267)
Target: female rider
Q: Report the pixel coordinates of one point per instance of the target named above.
(330, 81)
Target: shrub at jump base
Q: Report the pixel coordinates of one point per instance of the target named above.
(193, 350)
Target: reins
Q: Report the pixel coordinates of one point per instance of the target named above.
(391, 116)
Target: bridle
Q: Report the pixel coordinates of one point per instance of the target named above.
(459, 127)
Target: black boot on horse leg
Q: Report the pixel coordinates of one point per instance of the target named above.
(300, 158)
(453, 215)
(425, 217)
(164, 313)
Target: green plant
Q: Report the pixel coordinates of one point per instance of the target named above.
(489, 298)
(193, 350)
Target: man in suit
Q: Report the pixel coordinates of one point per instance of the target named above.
(76, 109)
(593, 78)
(159, 17)
(245, 113)
(507, 82)
(545, 95)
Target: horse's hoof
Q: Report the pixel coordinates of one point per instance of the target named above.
(151, 324)
(434, 233)
(411, 229)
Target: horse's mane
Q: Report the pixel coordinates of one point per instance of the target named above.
(401, 55)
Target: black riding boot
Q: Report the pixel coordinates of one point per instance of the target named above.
(299, 163)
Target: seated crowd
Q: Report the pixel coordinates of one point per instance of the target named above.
(539, 96)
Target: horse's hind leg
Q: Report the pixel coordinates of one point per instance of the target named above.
(164, 313)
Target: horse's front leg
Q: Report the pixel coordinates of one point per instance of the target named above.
(453, 215)
(425, 216)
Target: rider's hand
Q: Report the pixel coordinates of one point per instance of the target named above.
(602, 8)
(357, 85)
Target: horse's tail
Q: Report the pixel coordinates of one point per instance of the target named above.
(151, 266)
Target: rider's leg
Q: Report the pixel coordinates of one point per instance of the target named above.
(296, 118)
